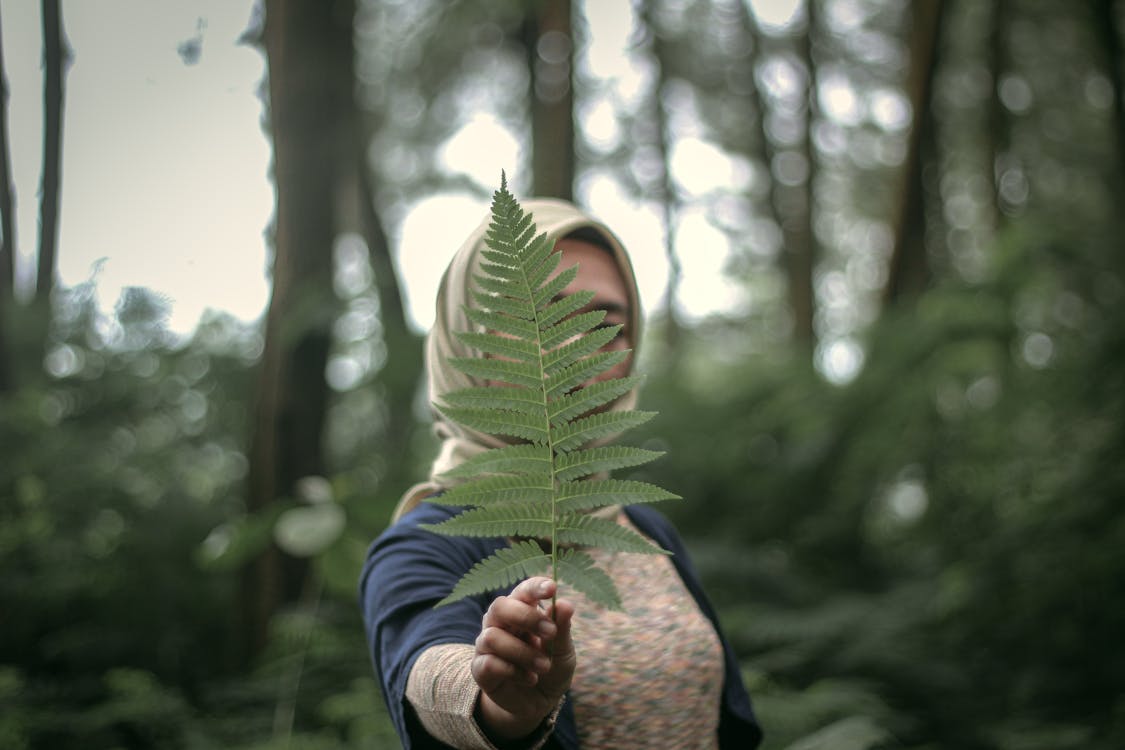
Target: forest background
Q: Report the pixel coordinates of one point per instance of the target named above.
(899, 434)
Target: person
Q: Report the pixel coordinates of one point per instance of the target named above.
(515, 670)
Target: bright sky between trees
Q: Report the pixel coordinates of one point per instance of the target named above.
(166, 167)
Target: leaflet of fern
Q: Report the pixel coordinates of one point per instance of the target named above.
(542, 353)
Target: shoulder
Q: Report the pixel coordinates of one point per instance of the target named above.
(655, 525)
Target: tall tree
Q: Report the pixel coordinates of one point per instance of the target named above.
(908, 271)
(309, 51)
(666, 189)
(1107, 27)
(549, 40)
(800, 240)
(55, 59)
(7, 234)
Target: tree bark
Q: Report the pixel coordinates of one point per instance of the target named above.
(800, 244)
(7, 236)
(908, 271)
(55, 58)
(668, 196)
(997, 138)
(402, 371)
(1105, 22)
(549, 40)
(790, 207)
(309, 51)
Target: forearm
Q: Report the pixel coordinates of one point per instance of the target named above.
(451, 707)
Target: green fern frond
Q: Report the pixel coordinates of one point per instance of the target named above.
(591, 531)
(499, 421)
(497, 490)
(566, 380)
(514, 399)
(541, 352)
(587, 399)
(505, 567)
(579, 570)
(519, 519)
(500, 370)
(604, 458)
(560, 309)
(576, 496)
(511, 459)
(582, 431)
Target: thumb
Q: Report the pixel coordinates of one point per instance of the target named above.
(563, 614)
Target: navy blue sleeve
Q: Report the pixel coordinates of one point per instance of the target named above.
(738, 727)
(408, 570)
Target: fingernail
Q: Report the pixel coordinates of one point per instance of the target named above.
(542, 663)
(547, 628)
(544, 587)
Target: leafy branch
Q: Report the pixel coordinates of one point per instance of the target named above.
(543, 354)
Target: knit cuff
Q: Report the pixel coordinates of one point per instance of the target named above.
(444, 695)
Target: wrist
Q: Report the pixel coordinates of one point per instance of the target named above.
(502, 726)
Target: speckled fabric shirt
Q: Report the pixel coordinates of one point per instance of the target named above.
(651, 675)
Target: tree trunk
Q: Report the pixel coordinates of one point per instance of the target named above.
(401, 372)
(669, 199)
(7, 237)
(908, 272)
(549, 41)
(1109, 37)
(309, 50)
(998, 125)
(800, 241)
(55, 58)
(790, 206)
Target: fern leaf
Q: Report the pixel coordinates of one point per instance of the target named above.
(518, 519)
(500, 422)
(532, 336)
(603, 458)
(576, 496)
(587, 399)
(497, 490)
(514, 399)
(554, 287)
(501, 346)
(579, 570)
(503, 323)
(591, 531)
(500, 570)
(511, 459)
(571, 327)
(501, 370)
(517, 308)
(581, 431)
(571, 352)
(569, 378)
(560, 309)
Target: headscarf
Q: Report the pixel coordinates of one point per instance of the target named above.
(557, 219)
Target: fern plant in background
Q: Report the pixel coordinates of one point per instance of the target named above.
(539, 491)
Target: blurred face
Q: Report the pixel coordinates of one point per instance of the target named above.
(598, 273)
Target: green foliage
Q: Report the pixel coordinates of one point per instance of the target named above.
(939, 540)
(540, 488)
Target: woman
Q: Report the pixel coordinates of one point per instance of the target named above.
(515, 670)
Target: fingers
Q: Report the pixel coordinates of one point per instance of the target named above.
(534, 590)
(519, 612)
(503, 656)
(515, 629)
(563, 615)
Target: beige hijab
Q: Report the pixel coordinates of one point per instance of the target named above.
(557, 219)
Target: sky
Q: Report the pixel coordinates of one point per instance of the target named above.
(166, 167)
